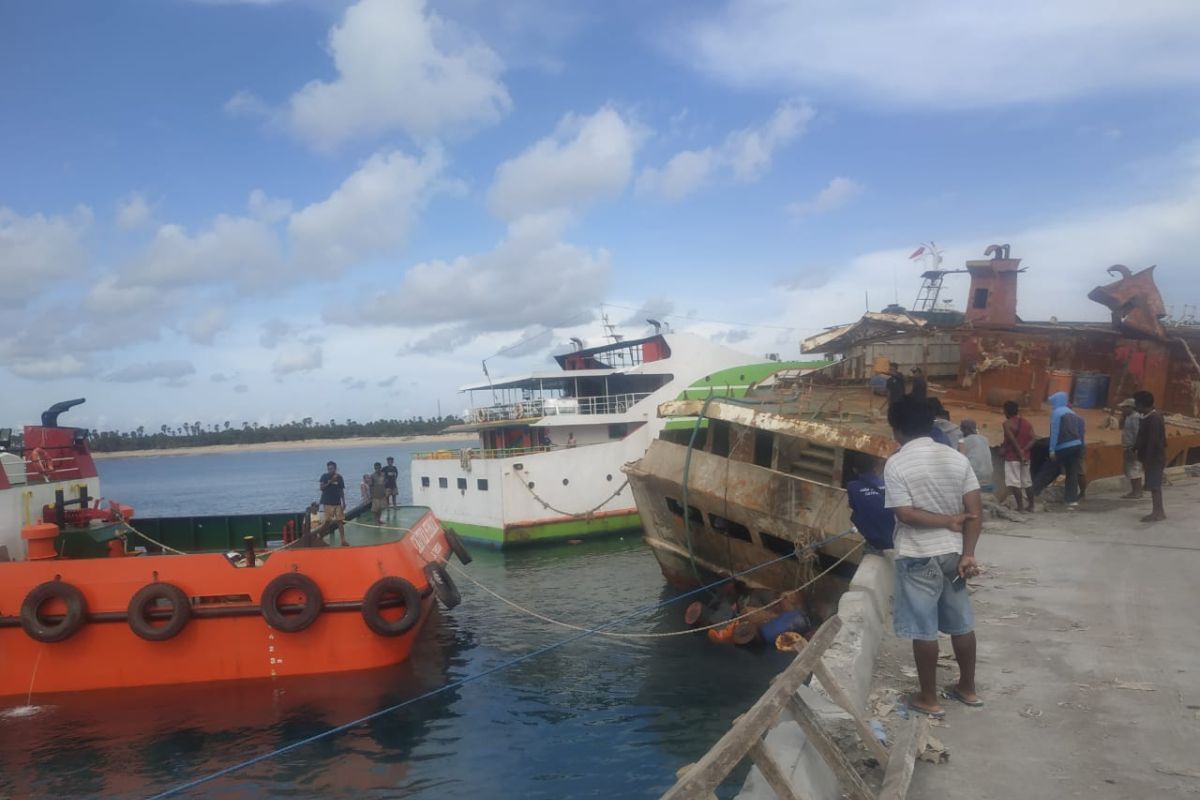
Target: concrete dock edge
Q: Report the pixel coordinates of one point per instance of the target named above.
(865, 610)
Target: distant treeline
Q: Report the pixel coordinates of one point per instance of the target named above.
(198, 435)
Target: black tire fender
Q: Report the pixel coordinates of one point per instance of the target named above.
(146, 599)
(37, 628)
(443, 588)
(274, 614)
(378, 594)
(456, 546)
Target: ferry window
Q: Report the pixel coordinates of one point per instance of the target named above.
(734, 530)
(462, 484)
(981, 297)
(719, 430)
(443, 483)
(618, 431)
(566, 481)
(481, 484)
(608, 477)
(425, 482)
(764, 443)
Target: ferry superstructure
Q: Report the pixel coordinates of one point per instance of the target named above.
(552, 443)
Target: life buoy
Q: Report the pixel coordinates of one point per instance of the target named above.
(456, 546)
(146, 601)
(40, 460)
(53, 630)
(443, 588)
(291, 620)
(378, 597)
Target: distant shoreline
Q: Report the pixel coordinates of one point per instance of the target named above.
(302, 444)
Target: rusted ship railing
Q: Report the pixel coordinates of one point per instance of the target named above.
(699, 781)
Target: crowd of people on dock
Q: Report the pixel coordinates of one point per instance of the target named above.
(925, 502)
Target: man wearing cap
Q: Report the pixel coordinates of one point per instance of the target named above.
(1130, 420)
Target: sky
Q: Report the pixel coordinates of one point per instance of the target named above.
(261, 211)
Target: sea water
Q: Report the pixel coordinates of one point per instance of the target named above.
(598, 718)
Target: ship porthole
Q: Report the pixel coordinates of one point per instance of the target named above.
(566, 481)
(531, 484)
(608, 477)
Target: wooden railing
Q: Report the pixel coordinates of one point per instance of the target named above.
(699, 781)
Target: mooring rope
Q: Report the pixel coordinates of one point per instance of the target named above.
(669, 634)
(192, 784)
(580, 515)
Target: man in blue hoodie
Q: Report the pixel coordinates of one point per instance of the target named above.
(1066, 450)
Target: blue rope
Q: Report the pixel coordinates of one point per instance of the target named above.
(192, 784)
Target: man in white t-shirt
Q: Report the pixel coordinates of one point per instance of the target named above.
(935, 496)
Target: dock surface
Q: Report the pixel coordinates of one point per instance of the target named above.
(1089, 636)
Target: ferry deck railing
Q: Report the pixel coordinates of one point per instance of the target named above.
(478, 452)
(537, 408)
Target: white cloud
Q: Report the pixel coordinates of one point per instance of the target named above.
(746, 153)
(585, 160)
(682, 175)
(170, 371)
(241, 388)
(298, 359)
(932, 54)
(240, 249)
(530, 278)
(133, 211)
(62, 365)
(399, 68)
(36, 249)
(369, 214)
(266, 208)
(204, 327)
(836, 194)
(275, 331)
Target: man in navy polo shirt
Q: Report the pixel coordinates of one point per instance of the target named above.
(867, 512)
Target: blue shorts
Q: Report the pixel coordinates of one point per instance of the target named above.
(928, 599)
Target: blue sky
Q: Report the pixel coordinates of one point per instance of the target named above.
(270, 210)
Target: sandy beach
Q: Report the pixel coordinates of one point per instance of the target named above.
(447, 440)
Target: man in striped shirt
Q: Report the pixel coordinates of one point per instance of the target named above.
(936, 499)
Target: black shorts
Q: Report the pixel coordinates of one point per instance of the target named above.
(390, 488)
(1154, 477)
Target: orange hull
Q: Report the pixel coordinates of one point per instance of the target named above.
(226, 638)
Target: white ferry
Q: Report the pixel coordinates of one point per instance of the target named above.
(552, 444)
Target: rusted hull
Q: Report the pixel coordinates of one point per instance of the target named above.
(741, 516)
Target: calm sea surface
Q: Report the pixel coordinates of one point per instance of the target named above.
(596, 718)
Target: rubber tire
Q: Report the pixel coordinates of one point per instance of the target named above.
(291, 623)
(375, 595)
(144, 598)
(71, 622)
(456, 546)
(443, 588)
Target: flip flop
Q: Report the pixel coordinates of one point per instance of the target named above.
(952, 693)
(916, 710)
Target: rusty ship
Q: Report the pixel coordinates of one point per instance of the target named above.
(763, 476)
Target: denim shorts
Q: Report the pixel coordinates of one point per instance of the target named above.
(928, 599)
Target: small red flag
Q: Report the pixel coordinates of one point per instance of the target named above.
(918, 252)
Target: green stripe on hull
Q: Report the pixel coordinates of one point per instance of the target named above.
(518, 536)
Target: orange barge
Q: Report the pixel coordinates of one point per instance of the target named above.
(134, 618)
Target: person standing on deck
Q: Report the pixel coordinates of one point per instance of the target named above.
(364, 488)
(865, 494)
(944, 431)
(1015, 449)
(1130, 421)
(1151, 447)
(333, 498)
(390, 474)
(939, 511)
(1066, 450)
(920, 387)
(378, 492)
(978, 451)
(895, 384)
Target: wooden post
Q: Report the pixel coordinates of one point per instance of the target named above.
(904, 757)
(844, 702)
(772, 772)
(717, 763)
(829, 751)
